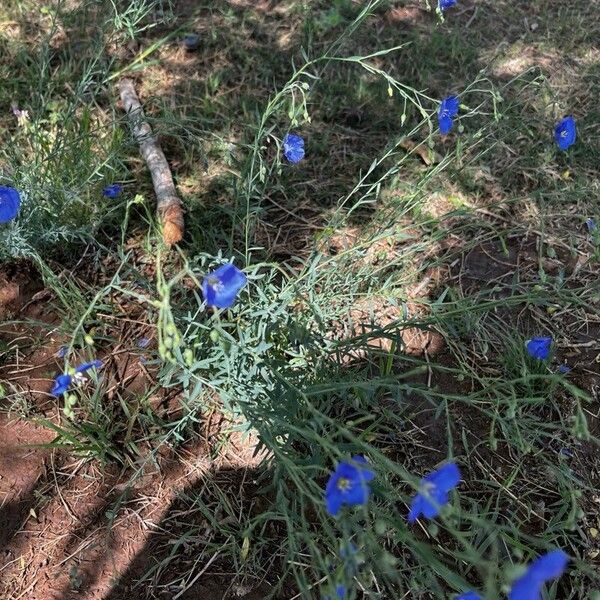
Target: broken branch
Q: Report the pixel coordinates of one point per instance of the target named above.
(168, 204)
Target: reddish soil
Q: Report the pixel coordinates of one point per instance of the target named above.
(70, 527)
(74, 529)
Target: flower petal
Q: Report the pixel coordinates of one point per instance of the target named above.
(445, 478)
(450, 106)
(444, 4)
(418, 506)
(293, 148)
(10, 203)
(445, 124)
(539, 347)
(61, 385)
(366, 474)
(112, 190)
(526, 588)
(546, 567)
(221, 287)
(333, 502)
(358, 494)
(549, 566)
(88, 365)
(565, 133)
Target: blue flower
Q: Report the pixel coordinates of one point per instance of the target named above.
(62, 352)
(563, 369)
(352, 561)
(433, 492)
(143, 342)
(591, 225)
(63, 382)
(539, 347)
(340, 592)
(191, 41)
(546, 567)
(293, 147)
(221, 287)
(348, 484)
(348, 550)
(88, 365)
(468, 596)
(565, 133)
(444, 4)
(565, 453)
(10, 202)
(447, 111)
(112, 190)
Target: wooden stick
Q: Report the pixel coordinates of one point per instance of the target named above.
(168, 204)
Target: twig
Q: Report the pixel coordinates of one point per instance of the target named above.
(168, 204)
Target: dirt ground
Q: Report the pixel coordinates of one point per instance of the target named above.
(68, 524)
(72, 528)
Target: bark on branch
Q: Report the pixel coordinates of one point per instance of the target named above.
(168, 204)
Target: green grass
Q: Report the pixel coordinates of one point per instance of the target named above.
(491, 234)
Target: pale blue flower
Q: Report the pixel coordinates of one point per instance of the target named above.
(293, 148)
(222, 286)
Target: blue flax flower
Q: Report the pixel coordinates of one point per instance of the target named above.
(340, 592)
(143, 342)
(447, 111)
(352, 562)
(348, 484)
(62, 352)
(293, 148)
(539, 347)
(468, 596)
(191, 41)
(348, 550)
(565, 133)
(221, 287)
(546, 567)
(112, 190)
(10, 202)
(591, 225)
(444, 4)
(63, 382)
(433, 492)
